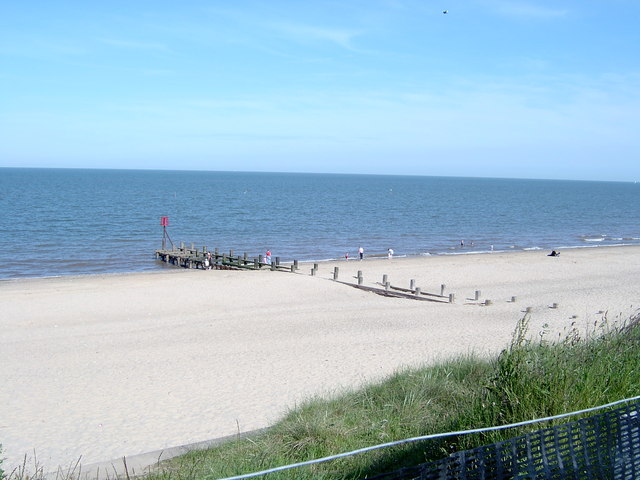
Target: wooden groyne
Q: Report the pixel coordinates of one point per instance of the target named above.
(202, 258)
(194, 257)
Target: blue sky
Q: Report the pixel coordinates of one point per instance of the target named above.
(493, 88)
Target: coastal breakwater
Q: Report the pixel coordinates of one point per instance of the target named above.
(193, 257)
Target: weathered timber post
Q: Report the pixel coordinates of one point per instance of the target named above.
(360, 279)
(224, 258)
(554, 305)
(277, 261)
(315, 267)
(256, 263)
(204, 249)
(295, 264)
(313, 272)
(217, 253)
(231, 253)
(513, 299)
(386, 286)
(193, 246)
(245, 256)
(487, 302)
(528, 309)
(293, 269)
(384, 279)
(412, 284)
(477, 294)
(335, 272)
(442, 287)
(417, 291)
(452, 297)
(181, 245)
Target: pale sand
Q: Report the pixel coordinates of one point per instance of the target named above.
(102, 367)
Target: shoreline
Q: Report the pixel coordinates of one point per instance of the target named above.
(168, 269)
(107, 365)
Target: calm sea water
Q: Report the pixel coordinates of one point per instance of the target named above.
(69, 222)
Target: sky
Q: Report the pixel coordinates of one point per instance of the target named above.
(492, 88)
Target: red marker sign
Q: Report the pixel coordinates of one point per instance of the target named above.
(164, 221)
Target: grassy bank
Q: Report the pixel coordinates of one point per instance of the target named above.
(530, 379)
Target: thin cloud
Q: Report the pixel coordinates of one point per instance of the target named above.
(526, 9)
(309, 33)
(134, 45)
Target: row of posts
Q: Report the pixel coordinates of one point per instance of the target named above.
(412, 284)
(416, 290)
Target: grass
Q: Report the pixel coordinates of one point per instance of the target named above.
(529, 379)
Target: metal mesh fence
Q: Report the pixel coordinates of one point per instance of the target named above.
(603, 446)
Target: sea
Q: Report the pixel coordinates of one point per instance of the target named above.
(57, 222)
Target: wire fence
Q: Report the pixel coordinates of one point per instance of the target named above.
(601, 446)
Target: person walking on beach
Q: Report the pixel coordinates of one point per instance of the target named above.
(390, 253)
(361, 253)
(267, 257)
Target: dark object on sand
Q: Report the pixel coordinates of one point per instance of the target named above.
(554, 254)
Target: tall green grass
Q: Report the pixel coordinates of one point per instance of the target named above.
(532, 378)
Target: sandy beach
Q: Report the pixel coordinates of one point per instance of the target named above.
(102, 367)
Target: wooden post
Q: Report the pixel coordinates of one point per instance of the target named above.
(386, 286)
(529, 309)
(204, 249)
(335, 272)
(230, 253)
(412, 284)
(315, 267)
(359, 280)
(554, 305)
(442, 287)
(417, 291)
(217, 253)
(193, 246)
(273, 267)
(181, 245)
(384, 279)
(313, 272)
(295, 264)
(293, 269)
(477, 294)
(513, 299)
(452, 297)
(256, 263)
(277, 261)
(487, 302)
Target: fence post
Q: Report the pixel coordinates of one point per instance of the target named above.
(442, 287)
(335, 273)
